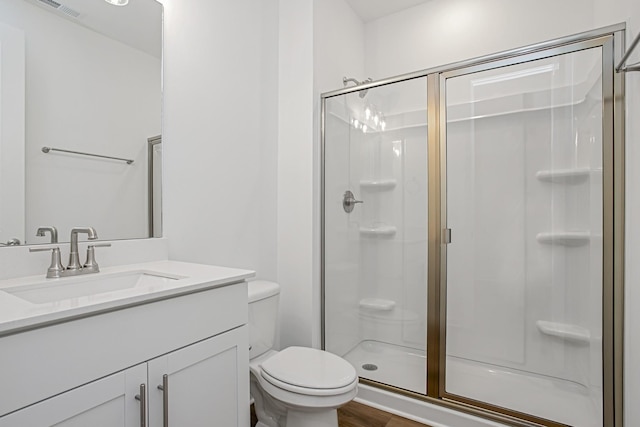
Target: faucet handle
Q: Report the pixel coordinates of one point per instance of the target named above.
(100, 245)
(43, 248)
(91, 256)
(56, 268)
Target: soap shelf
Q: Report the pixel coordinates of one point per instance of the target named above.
(574, 333)
(379, 231)
(564, 176)
(564, 238)
(379, 184)
(377, 304)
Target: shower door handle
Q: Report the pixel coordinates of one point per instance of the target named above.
(349, 201)
(446, 236)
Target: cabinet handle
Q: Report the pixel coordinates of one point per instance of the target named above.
(142, 398)
(165, 400)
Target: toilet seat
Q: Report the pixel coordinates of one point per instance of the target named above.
(309, 371)
(307, 390)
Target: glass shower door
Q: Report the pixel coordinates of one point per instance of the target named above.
(525, 263)
(375, 231)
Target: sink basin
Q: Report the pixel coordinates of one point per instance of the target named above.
(53, 290)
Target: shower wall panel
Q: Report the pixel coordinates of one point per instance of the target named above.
(381, 137)
(342, 258)
(391, 171)
(524, 202)
(486, 301)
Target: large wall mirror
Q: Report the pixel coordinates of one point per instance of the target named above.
(80, 118)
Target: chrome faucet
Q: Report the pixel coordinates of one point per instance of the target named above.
(51, 229)
(74, 259)
(56, 269)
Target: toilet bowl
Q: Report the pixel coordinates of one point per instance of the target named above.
(298, 386)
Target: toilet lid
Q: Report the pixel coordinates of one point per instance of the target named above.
(310, 368)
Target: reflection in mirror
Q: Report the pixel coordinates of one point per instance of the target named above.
(154, 156)
(82, 76)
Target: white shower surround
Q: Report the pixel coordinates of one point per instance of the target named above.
(389, 268)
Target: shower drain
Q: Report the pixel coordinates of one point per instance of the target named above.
(369, 367)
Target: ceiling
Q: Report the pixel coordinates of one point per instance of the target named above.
(139, 24)
(369, 10)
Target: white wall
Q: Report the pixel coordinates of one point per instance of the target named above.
(239, 139)
(85, 92)
(295, 171)
(439, 32)
(220, 132)
(338, 45)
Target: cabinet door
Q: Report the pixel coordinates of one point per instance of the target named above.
(204, 384)
(108, 402)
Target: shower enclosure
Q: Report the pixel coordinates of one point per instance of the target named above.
(472, 232)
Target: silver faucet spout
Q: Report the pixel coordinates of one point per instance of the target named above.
(41, 232)
(74, 259)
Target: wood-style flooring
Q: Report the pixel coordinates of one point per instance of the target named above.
(358, 415)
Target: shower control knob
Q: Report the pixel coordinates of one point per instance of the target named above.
(349, 201)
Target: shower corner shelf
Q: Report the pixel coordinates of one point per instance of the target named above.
(564, 238)
(564, 176)
(377, 304)
(574, 333)
(378, 231)
(378, 184)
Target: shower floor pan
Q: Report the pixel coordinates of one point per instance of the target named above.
(398, 366)
(546, 397)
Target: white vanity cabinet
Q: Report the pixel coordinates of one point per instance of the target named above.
(200, 384)
(193, 386)
(107, 402)
(87, 371)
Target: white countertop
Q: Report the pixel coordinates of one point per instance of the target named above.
(18, 314)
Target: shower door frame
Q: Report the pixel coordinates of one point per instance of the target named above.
(612, 192)
(611, 39)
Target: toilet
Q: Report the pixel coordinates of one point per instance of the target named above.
(297, 386)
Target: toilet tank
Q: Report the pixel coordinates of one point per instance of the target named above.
(263, 316)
